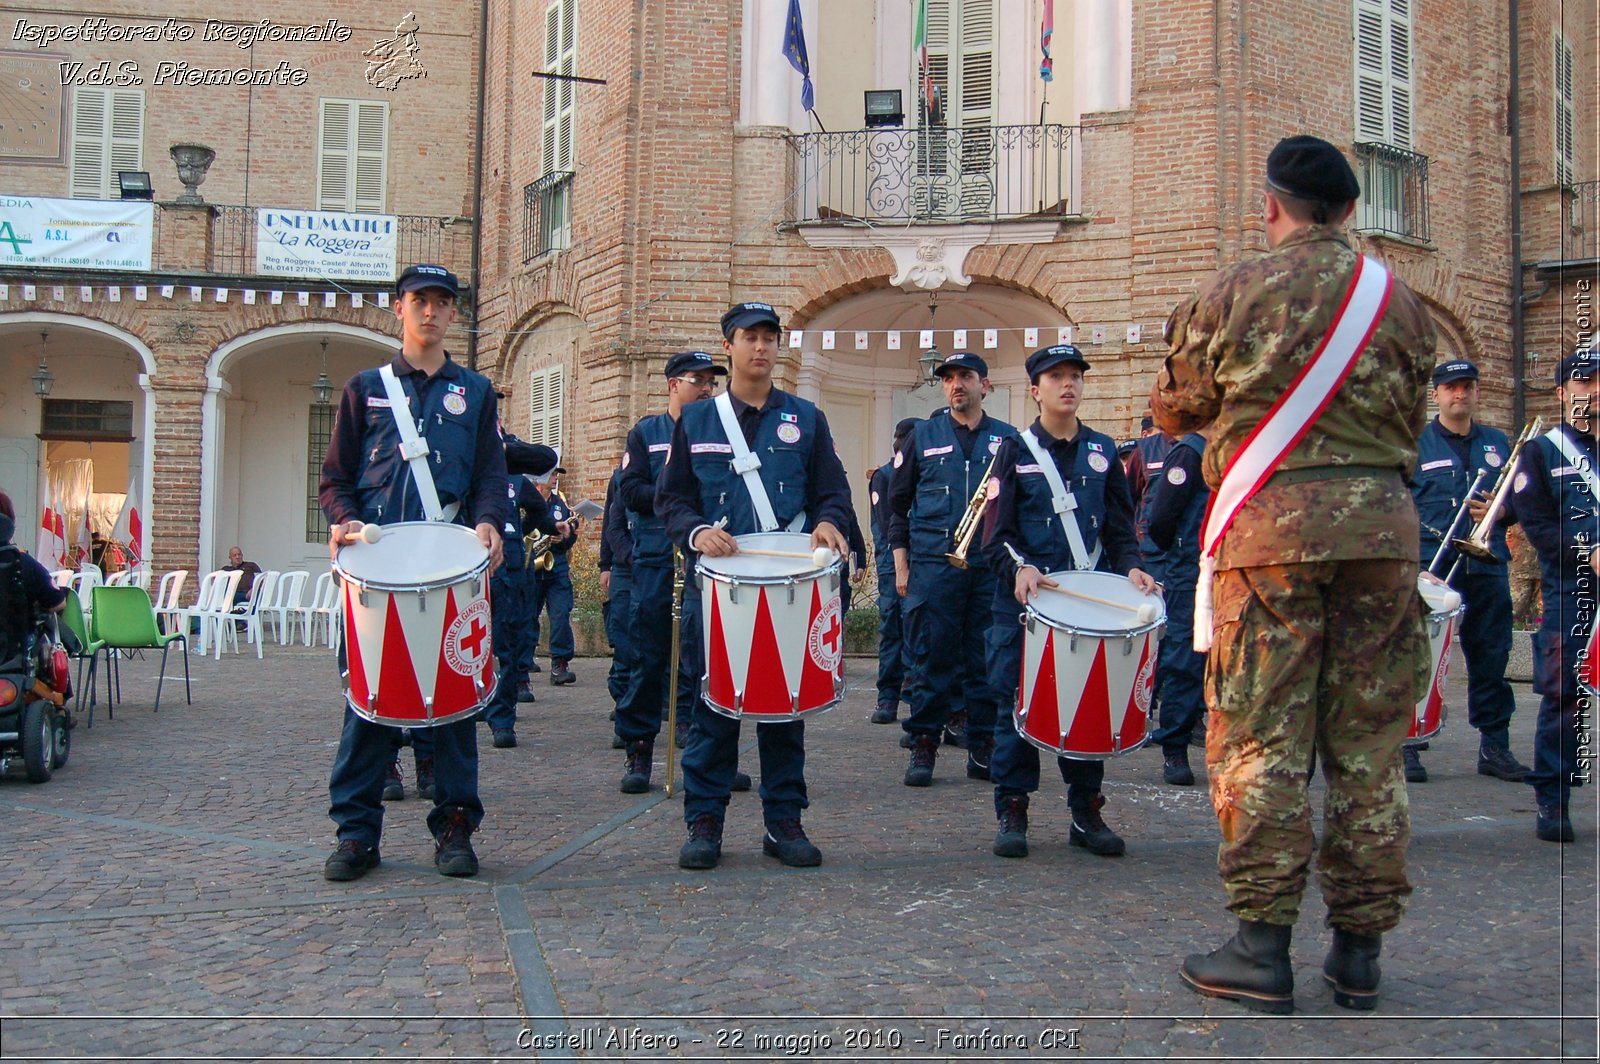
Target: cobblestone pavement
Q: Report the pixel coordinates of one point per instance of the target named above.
(163, 898)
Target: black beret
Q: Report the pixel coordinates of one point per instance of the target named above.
(1310, 168)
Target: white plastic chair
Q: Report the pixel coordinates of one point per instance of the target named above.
(261, 590)
(212, 604)
(140, 578)
(286, 605)
(324, 607)
(85, 580)
(166, 604)
(119, 579)
(91, 567)
(62, 578)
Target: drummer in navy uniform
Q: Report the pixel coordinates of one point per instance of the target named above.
(947, 609)
(1451, 452)
(704, 503)
(366, 478)
(1024, 538)
(691, 376)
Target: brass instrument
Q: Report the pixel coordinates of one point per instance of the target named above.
(1477, 543)
(1455, 523)
(968, 528)
(537, 553)
(678, 566)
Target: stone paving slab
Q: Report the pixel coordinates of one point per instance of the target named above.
(164, 900)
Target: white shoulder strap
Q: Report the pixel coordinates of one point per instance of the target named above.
(746, 464)
(1062, 501)
(1575, 458)
(414, 448)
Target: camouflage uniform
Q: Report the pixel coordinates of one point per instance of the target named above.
(1319, 638)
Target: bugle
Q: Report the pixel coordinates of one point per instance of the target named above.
(1476, 544)
(971, 519)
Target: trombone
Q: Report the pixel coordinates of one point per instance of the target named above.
(967, 530)
(1476, 543)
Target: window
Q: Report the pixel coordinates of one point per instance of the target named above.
(556, 141)
(1384, 100)
(319, 432)
(86, 419)
(353, 156)
(547, 215)
(546, 393)
(1566, 168)
(961, 67)
(107, 136)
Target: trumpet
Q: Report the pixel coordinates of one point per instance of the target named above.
(968, 528)
(537, 553)
(1476, 544)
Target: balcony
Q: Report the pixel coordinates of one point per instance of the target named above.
(547, 215)
(1394, 192)
(934, 175)
(1581, 239)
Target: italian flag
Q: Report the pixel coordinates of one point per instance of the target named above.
(920, 44)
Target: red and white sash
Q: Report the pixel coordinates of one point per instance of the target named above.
(1290, 418)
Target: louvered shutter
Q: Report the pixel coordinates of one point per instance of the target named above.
(1566, 164)
(974, 100)
(352, 156)
(560, 57)
(371, 176)
(1383, 50)
(107, 136)
(546, 393)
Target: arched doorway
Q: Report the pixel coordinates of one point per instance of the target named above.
(264, 435)
(93, 430)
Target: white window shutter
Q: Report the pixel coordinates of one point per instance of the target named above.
(546, 396)
(1400, 81)
(371, 178)
(560, 57)
(353, 156)
(107, 136)
(1385, 99)
(333, 155)
(127, 135)
(1565, 151)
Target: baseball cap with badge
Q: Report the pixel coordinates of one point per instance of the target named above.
(1577, 367)
(1050, 357)
(416, 278)
(748, 315)
(1455, 370)
(959, 360)
(692, 362)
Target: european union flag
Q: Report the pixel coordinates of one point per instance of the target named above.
(794, 50)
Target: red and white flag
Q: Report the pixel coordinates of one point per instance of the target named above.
(52, 543)
(129, 530)
(82, 534)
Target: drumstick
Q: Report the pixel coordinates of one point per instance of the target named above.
(1144, 611)
(370, 533)
(821, 557)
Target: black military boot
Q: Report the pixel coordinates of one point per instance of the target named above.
(1090, 831)
(425, 778)
(1554, 825)
(1175, 768)
(1251, 968)
(636, 777)
(560, 675)
(1351, 968)
(394, 787)
(980, 752)
(1499, 762)
(1012, 838)
(703, 848)
(955, 730)
(525, 693)
(452, 853)
(1411, 758)
(885, 713)
(924, 750)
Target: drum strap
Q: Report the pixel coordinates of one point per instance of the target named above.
(1575, 458)
(414, 448)
(1063, 503)
(748, 466)
(1290, 418)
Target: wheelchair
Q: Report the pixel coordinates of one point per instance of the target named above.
(35, 681)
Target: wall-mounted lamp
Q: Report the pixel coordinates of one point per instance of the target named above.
(930, 359)
(323, 388)
(43, 379)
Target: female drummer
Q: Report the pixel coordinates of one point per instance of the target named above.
(1025, 537)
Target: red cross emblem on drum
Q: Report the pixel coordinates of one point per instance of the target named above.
(466, 641)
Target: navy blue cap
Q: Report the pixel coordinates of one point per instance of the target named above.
(423, 276)
(533, 459)
(904, 428)
(1048, 357)
(1577, 367)
(962, 360)
(1456, 370)
(1127, 445)
(748, 315)
(692, 362)
(1310, 168)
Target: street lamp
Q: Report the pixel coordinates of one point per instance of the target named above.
(930, 359)
(42, 377)
(323, 388)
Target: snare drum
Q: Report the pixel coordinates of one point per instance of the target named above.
(415, 607)
(774, 633)
(1088, 669)
(1444, 607)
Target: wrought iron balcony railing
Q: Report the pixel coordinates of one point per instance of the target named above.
(934, 174)
(428, 238)
(547, 215)
(1394, 191)
(1582, 238)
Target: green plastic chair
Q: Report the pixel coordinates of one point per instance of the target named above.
(72, 617)
(123, 619)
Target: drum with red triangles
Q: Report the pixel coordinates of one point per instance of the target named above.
(1089, 666)
(1444, 612)
(415, 611)
(773, 629)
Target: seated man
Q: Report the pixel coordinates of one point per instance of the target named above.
(250, 571)
(21, 576)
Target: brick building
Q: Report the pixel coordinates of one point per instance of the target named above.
(621, 218)
(192, 378)
(671, 170)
